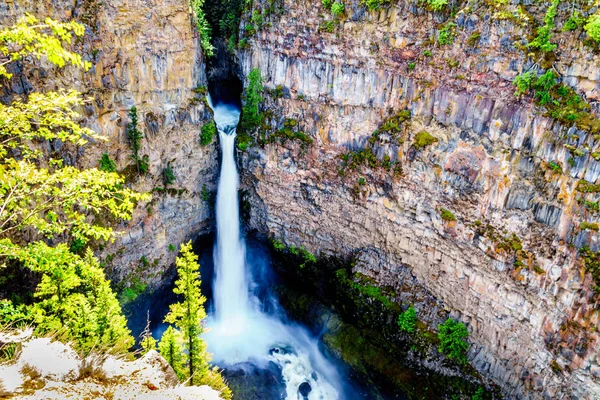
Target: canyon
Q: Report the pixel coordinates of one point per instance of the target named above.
(533, 326)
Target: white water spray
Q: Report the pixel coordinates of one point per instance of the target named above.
(238, 330)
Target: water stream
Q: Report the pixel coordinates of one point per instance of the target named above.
(240, 330)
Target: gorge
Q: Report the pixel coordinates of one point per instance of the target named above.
(391, 166)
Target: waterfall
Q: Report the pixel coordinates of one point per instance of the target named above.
(238, 331)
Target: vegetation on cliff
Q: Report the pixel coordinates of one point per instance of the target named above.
(50, 210)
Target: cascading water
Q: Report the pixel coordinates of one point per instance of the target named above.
(238, 330)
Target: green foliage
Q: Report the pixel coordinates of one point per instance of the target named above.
(447, 34)
(170, 347)
(374, 4)
(203, 26)
(208, 133)
(474, 39)
(437, 5)
(592, 27)
(31, 37)
(337, 9)
(447, 215)
(407, 320)
(13, 315)
(575, 21)
(544, 32)
(587, 187)
(171, 247)
(452, 336)
(591, 262)
(189, 314)
(135, 136)
(55, 203)
(168, 175)
(327, 26)
(555, 166)
(74, 299)
(427, 53)
(106, 164)
(478, 395)
(561, 102)
(424, 139)
(251, 115)
(411, 66)
(523, 82)
(132, 292)
(327, 4)
(589, 225)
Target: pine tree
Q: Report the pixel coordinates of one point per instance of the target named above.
(170, 347)
(135, 136)
(188, 315)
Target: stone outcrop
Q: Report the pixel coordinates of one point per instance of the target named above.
(528, 303)
(145, 54)
(46, 369)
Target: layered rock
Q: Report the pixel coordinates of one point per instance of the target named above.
(533, 323)
(145, 54)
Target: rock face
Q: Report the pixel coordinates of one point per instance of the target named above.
(52, 370)
(145, 54)
(507, 266)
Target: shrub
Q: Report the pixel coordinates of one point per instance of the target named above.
(437, 5)
(411, 66)
(373, 4)
(427, 53)
(544, 32)
(575, 21)
(106, 164)
(251, 115)
(327, 4)
(447, 34)
(424, 139)
(171, 247)
(407, 320)
(207, 133)
(452, 335)
(592, 28)
(203, 26)
(337, 9)
(135, 136)
(447, 215)
(589, 225)
(168, 175)
(523, 83)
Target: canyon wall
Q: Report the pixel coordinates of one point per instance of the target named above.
(147, 54)
(508, 264)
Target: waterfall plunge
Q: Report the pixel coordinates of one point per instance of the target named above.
(238, 330)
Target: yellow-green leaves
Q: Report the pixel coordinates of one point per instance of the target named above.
(31, 37)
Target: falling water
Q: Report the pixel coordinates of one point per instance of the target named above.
(238, 330)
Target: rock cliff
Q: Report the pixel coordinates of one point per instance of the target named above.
(485, 212)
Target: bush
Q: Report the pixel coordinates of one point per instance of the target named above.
(337, 9)
(208, 133)
(437, 5)
(589, 225)
(106, 164)
(251, 115)
(544, 32)
(592, 28)
(447, 34)
(407, 320)
(424, 139)
(168, 175)
(452, 335)
(327, 4)
(447, 215)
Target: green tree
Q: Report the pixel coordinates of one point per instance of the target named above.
(407, 320)
(189, 314)
(170, 347)
(203, 27)
(208, 133)
(251, 115)
(43, 199)
(106, 164)
(147, 342)
(135, 136)
(168, 175)
(452, 337)
(544, 32)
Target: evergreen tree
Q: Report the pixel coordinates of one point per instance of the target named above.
(188, 315)
(452, 336)
(407, 320)
(170, 347)
(135, 136)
